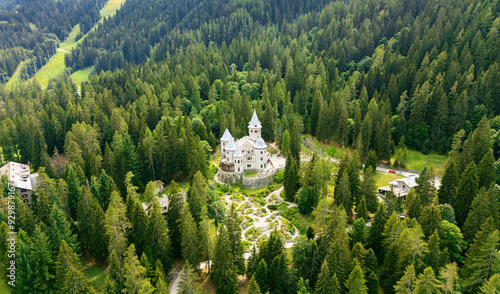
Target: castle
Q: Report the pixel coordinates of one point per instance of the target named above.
(246, 154)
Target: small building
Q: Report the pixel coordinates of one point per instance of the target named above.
(400, 187)
(20, 177)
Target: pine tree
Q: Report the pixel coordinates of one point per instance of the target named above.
(430, 220)
(434, 256)
(486, 170)
(278, 274)
(295, 144)
(338, 256)
(187, 284)
(42, 260)
(205, 237)
(377, 228)
(385, 142)
(342, 195)
(485, 205)
(354, 177)
(448, 188)
(371, 161)
(74, 189)
(285, 143)
(224, 273)
(233, 226)
(361, 210)
(176, 202)
(157, 236)
(116, 225)
(413, 205)
(492, 286)
(159, 279)
(135, 274)
(368, 190)
(449, 278)
(356, 282)
(323, 284)
(407, 282)
(290, 183)
(70, 277)
(261, 276)
(190, 243)
(60, 230)
(253, 287)
(427, 283)
(268, 123)
(195, 204)
(466, 192)
(116, 272)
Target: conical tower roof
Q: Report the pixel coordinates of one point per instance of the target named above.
(260, 144)
(238, 153)
(226, 136)
(254, 122)
(231, 146)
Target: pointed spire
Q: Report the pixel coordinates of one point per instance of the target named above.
(231, 146)
(227, 135)
(254, 123)
(260, 144)
(238, 153)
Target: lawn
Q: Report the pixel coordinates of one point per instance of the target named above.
(50, 70)
(96, 275)
(417, 161)
(251, 174)
(383, 179)
(81, 75)
(111, 7)
(262, 192)
(16, 76)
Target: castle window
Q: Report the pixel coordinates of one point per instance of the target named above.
(249, 165)
(262, 158)
(238, 169)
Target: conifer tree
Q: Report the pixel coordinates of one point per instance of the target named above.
(60, 230)
(135, 274)
(233, 226)
(361, 210)
(42, 260)
(413, 205)
(486, 170)
(253, 287)
(342, 195)
(70, 277)
(449, 278)
(371, 161)
(449, 183)
(285, 143)
(368, 190)
(335, 286)
(157, 236)
(434, 256)
(354, 177)
(385, 142)
(187, 284)
(206, 241)
(377, 228)
(261, 276)
(290, 183)
(323, 284)
(430, 220)
(278, 273)
(485, 205)
(159, 279)
(407, 282)
(74, 189)
(295, 144)
(339, 255)
(359, 232)
(116, 225)
(427, 283)
(466, 192)
(224, 273)
(356, 282)
(195, 204)
(190, 243)
(253, 262)
(176, 202)
(492, 286)
(115, 272)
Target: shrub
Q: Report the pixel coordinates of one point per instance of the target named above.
(280, 176)
(272, 206)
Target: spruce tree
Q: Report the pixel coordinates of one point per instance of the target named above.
(157, 236)
(190, 242)
(430, 220)
(135, 274)
(253, 287)
(359, 232)
(486, 170)
(323, 284)
(224, 273)
(368, 190)
(354, 177)
(485, 205)
(285, 143)
(159, 279)
(342, 195)
(69, 276)
(492, 286)
(448, 188)
(427, 283)
(116, 225)
(233, 226)
(377, 228)
(60, 230)
(449, 278)
(371, 161)
(385, 142)
(466, 192)
(187, 284)
(335, 284)
(42, 260)
(261, 276)
(361, 210)
(205, 237)
(290, 183)
(356, 282)
(176, 202)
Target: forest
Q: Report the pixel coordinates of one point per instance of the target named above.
(32, 29)
(375, 79)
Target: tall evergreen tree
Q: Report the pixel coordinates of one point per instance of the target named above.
(157, 237)
(485, 205)
(60, 230)
(224, 273)
(261, 276)
(356, 282)
(427, 283)
(135, 274)
(187, 284)
(233, 226)
(176, 202)
(448, 188)
(253, 287)
(190, 242)
(69, 272)
(116, 225)
(342, 195)
(486, 170)
(466, 192)
(368, 190)
(323, 284)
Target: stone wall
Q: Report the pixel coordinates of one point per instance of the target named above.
(255, 183)
(228, 177)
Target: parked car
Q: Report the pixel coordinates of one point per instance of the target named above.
(392, 171)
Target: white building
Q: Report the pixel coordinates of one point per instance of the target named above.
(246, 154)
(20, 177)
(400, 187)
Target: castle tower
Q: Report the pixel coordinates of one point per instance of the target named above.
(238, 160)
(230, 149)
(254, 127)
(260, 155)
(224, 141)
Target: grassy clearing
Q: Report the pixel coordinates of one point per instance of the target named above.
(81, 75)
(50, 70)
(96, 275)
(251, 174)
(383, 179)
(111, 7)
(15, 76)
(417, 161)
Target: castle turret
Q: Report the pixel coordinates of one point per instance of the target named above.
(224, 141)
(260, 155)
(254, 127)
(238, 160)
(230, 149)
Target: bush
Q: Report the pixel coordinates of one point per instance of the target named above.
(272, 206)
(280, 176)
